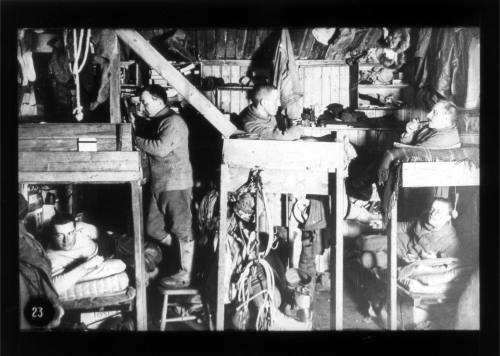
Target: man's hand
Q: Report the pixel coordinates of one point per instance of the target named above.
(93, 262)
(412, 126)
(93, 105)
(377, 224)
(295, 132)
(428, 255)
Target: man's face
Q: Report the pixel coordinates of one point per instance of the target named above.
(65, 237)
(439, 214)
(151, 104)
(439, 117)
(271, 102)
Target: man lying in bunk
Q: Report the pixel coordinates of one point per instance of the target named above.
(439, 131)
(73, 253)
(260, 116)
(430, 236)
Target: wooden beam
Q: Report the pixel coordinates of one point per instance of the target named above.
(221, 265)
(114, 85)
(55, 131)
(392, 272)
(156, 61)
(293, 181)
(140, 268)
(78, 177)
(339, 249)
(316, 156)
(439, 174)
(66, 162)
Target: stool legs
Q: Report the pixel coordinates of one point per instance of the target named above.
(164, 313)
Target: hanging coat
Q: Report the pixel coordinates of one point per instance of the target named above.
(106, 50)
(442, 70)
(286, 77)
(34, 273)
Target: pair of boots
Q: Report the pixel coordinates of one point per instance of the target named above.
(182, 279)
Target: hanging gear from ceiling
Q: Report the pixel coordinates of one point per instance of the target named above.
(76, 67)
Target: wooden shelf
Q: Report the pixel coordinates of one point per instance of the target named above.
(379, 108)
(383, 86)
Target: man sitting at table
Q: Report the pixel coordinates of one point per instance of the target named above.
(260, 116)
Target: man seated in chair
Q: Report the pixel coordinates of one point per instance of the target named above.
(73, 253)
(438, 132)
(430, 236)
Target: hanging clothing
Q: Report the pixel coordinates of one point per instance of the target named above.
(441, 71)
(106, 51)
(473, 73)
(286, 77)
(34, 273)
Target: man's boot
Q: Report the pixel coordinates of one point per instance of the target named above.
(182, 279)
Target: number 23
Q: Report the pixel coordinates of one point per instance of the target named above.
(34, 311)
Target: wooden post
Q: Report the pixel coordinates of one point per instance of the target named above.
(140, 270)
(70, 192)
(156, 61)
(392, 269)
(337, 258)
(114, 86)
(221, 292)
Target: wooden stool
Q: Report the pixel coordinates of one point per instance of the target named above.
(177, 291)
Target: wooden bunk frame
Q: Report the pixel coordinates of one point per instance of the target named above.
(417, 175)
(48, 154)
(288, 167)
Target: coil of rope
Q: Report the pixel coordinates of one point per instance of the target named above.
(252, 259)
(76, 68)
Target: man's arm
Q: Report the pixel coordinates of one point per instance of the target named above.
(87, 229)
(170, 137)
(266, 132)
(64, 281)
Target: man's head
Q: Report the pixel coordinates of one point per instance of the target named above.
(266, 98)
(64, 237)
(442, 115)
(440, 212)
(153, 98)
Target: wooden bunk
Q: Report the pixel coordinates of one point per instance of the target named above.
(417, 175)
(288, 167)
(48, 154)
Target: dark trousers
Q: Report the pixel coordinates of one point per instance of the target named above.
(362, 174)
(307, 258)
(170, 212)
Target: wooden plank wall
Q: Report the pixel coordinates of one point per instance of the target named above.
(324, 82)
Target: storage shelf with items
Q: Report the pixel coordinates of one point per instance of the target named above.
(381, 91)
(190, 70)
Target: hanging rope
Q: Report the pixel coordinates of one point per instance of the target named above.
(252, 259)
(77, 68)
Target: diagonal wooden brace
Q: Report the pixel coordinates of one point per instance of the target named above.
(156, 61)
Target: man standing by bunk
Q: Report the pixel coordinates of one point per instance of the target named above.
(164, 138)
